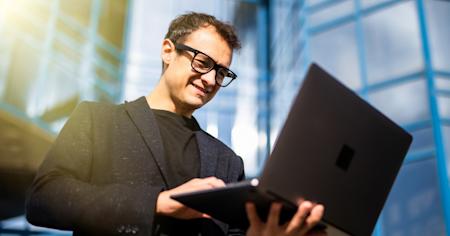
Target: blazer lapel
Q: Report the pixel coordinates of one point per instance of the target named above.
(144, 119)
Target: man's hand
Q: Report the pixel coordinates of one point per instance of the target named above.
(169, 207)
(306, 217)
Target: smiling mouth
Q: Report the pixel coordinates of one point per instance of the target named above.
(201, 89)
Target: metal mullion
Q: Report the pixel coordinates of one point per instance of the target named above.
(110, 68)
(125, 50)
(395, 81)
(342, 20)
(107, 67)
(322, 5)
(361, 49)
(60, 61)
(445, 121)
(250, 1)
(418, 125)
(379, 7)
(70, 22)
(107, 46)
(264, 63)
(436, 124)
(105, 87)
(21, 115)
(443, 74)
(86, 72)
(347, 18)
(292, 8)
(68, 41)
(281, 48)
(420, 155)
(443, 92)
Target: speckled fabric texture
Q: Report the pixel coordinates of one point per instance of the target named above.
(105, 170)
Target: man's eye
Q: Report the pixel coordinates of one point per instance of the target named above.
(222, 73)
(202, 64)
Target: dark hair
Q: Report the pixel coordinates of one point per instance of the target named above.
(187, 23)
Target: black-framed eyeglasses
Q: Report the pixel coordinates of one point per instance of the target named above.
(202, 63)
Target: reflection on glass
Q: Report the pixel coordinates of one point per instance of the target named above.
(314, 2)
(405, 103)
(438, 17)
(422, 139)
(414, 205)
(446, 136)
(79, 10)
(112, 21)
(444, 106)
(336, 51)
(226, 122)
(443, 83)
(332, 12)
(371, 3)
(69, 53)
(392, 42)
(70, 32)
(62, 92)
(54, 57)
(21, 74)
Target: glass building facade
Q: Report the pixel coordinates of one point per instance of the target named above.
(53, 54)
(394, 53)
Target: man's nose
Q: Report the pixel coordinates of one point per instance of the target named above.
(209, 78)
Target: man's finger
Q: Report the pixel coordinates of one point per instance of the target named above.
(314, 218)
(212, 182)
(274, 215)
(252, 216)
(299, 218)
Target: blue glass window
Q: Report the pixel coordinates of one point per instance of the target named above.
(443, 83)
(392, 43)
(405, 103)
(422, 139)
(336, 51)
(226, 122)
(438, 18)
(371, 3)
(332, 11)
(446, 140)
(444, 106)
(414, 204)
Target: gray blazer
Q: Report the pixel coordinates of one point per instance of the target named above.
(106, 168)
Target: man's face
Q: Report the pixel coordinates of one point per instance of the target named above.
(188, 89)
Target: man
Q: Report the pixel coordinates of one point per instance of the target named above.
(113, 168)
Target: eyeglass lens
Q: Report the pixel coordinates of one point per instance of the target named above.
(203, 64)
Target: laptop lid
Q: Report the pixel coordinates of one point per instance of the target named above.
(336, 149)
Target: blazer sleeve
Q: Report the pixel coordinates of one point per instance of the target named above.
(62, 196)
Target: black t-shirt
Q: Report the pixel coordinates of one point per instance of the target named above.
(183, 163)
(180, 145)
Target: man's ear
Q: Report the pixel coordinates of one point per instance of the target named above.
(167, 51)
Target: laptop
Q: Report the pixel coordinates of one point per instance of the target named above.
(334, 149)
